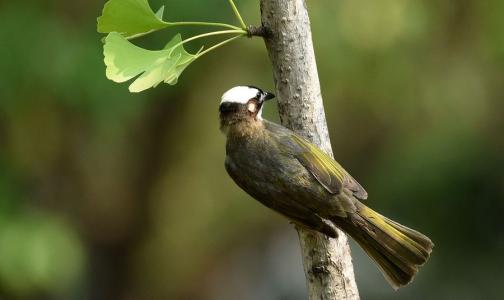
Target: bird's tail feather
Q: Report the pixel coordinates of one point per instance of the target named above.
(397, 249)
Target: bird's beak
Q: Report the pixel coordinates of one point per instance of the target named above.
(267, 96)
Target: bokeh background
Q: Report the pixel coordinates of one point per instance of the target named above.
(110, 195)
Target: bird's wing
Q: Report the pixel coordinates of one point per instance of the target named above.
(326, 170)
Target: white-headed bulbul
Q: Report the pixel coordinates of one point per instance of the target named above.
(290, 175)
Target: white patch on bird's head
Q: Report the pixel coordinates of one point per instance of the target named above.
(240, 94)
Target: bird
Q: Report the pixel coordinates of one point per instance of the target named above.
(290, 175)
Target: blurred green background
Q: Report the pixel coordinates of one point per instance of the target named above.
(110, 195)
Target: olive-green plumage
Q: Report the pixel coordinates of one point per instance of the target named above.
(290, 175)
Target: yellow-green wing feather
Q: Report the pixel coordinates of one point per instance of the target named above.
(329, 173)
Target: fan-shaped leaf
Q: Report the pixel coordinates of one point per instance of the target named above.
(131, 18)
(125, 61)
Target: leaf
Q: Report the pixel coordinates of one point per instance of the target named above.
(131, 18)
(160, 12)
(185, 59)
(125, 61)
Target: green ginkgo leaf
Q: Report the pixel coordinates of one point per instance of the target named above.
(185, 59)
(124, 61)
(131, 18)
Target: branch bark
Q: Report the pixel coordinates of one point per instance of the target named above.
(327, 262)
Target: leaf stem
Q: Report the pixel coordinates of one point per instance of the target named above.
(218, 45)
(237, 14)
(241, 32)
(205, 24)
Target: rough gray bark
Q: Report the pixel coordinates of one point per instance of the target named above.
(327, 262)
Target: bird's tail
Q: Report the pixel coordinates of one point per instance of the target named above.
(397, 249)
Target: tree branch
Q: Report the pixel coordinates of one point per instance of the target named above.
(327, 262)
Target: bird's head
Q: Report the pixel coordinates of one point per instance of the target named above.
(242, 103)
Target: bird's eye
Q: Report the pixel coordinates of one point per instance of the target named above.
(252, 107)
